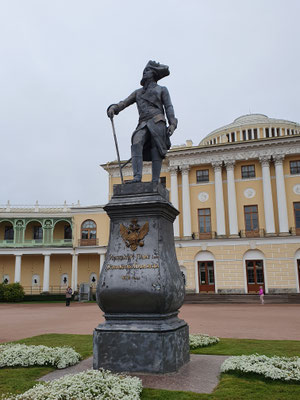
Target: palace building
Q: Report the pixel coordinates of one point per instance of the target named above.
(238, 193)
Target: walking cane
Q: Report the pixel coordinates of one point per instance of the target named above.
(117, 147)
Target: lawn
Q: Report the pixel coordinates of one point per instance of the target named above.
(231, 386)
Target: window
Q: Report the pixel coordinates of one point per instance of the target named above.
(202, 175)
(255, 133)
(67, 232)
(244, 135)
(295, 167)
(248, 171)
(251, 218)
(163, 181)
(204, 220)
(206, 276)
(88, 230)
(37, 233)
(297, 216)
(8, 233)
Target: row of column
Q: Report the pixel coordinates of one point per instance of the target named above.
(231, 193)
(46, 275)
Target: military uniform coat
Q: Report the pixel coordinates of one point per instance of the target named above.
(153, 104)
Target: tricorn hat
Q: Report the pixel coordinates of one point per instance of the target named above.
(160, 70)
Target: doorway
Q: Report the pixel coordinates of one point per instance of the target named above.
(255, 275)
(206, 276)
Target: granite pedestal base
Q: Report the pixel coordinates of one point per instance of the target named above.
(141, 343)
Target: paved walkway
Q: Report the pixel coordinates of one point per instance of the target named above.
(271, 321)
(200, 375)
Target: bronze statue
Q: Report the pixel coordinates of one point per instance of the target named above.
(151, 138)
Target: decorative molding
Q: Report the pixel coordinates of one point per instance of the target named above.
(230, 165)
(185, 169)
(278, 159)
(203, 197)
(249, 193)
(296, 189)
(265, 160)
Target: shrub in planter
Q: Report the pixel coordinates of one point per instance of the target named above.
(11, 292)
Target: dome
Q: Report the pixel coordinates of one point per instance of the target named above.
(256, 122)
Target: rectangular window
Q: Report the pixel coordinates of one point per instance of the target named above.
(295, 167)
(8, 233)
(204, 220)
(202, 175)
(37, 233)
(267, 132)
(297, 215)
(251, 218)
(255, 133)
(244, 135)
(163, 181)
(248, 171)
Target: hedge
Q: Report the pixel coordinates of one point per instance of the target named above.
(11, 292)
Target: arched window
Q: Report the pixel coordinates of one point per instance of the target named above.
(93, 279)
(5, 279)
(64, 281)
(35, 280)
(88, 233)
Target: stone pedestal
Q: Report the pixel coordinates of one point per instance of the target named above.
(141, 287)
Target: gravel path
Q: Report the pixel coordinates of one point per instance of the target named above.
(271, 321)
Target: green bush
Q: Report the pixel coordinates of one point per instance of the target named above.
(11, 292)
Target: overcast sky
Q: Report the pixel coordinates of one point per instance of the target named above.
(63, 62)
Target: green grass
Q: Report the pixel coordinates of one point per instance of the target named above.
(231, 386)
(237, 347)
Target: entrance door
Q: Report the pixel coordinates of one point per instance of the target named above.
(255, 275)
(206, 276)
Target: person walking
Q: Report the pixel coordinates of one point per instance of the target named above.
(261, 295)
(68, 295)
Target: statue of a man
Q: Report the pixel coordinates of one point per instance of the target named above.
(151, 138)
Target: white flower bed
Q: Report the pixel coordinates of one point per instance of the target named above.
(12, 355)
(96, 385)
(282, 368)
(202, 340)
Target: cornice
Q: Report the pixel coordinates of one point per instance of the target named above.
(226, 153)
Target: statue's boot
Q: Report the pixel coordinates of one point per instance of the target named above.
(137, 162)
(156, 164)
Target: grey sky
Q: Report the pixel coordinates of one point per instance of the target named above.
(64, 61)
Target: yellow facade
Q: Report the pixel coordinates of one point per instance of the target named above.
(227, 253)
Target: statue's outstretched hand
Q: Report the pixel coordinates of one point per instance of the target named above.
(170, 130)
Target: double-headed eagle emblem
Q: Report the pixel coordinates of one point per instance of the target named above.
(133, 235)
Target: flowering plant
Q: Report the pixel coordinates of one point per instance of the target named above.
(279, 368)
(12, 355)
(88, 385)
(202, 340)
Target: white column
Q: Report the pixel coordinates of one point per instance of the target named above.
(18, 260)
(252, 133)
(219, 199)
(268, 200)
(46, 278)
(174, 197)
(186, 204)
(247, 137)
(74, 271)
(258, 132)
(232, 211)
(102, 259)
(285, 131)
(264, 128)
(281, 196)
